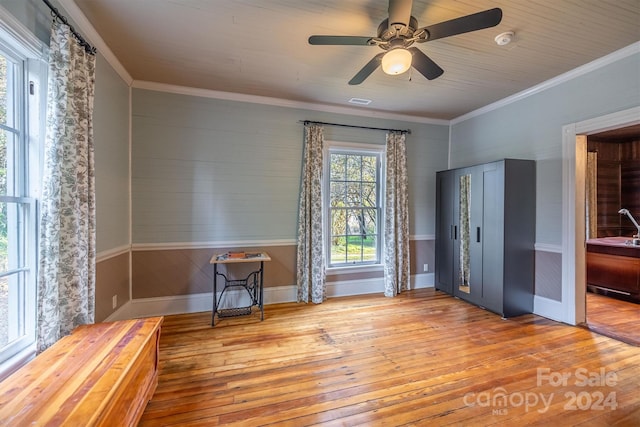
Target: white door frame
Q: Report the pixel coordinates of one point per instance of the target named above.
(573, 201)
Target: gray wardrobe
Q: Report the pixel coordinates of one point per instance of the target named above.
(485, 235)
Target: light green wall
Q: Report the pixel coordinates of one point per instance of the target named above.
(531, 128)
(111, 144)
(211, 170)
(111, 132)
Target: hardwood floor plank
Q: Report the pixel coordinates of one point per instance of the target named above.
(418, 359)
(614, 318)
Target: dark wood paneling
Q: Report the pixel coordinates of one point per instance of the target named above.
(618, 184)
(613, 272)
(608, 197)
(630, 192)
(606, 150)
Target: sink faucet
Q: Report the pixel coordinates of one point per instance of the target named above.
(626, 212)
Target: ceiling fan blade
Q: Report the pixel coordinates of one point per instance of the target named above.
(400, 12)
(424, 64)
(477, 21)
(339, 40)
(367, 69)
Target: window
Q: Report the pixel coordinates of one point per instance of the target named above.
(353, 200)
(19, 154)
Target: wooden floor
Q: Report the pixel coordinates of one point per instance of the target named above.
(422, 358)
(614, 318)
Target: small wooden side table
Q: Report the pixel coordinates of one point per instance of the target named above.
(253, 284)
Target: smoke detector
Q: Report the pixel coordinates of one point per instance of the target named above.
(504, 38)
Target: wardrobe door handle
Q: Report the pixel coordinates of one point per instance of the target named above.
(478, 234)
(455, 232)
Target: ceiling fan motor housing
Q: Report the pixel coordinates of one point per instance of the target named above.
(387, 33)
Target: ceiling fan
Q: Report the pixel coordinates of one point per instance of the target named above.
(399, 31)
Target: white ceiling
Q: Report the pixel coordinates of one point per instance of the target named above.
(259, 47)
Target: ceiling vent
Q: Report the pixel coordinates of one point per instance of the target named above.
(359, 101)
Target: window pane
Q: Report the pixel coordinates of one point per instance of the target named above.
(8, 161)
(338, 195)
(369, 195)
(370, 222)
(338, 251)
(12, 325)
(338, 165)
(338, 222)
(353, 194)
(354, 172)
(11, 236)
(4, 311)
(354, 249)
(354, 222)
(6, 96)
(369, 164)
(370, 249)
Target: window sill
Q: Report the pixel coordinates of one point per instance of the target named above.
(15, 362)
(355, 269)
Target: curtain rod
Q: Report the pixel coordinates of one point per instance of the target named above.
(306, 122)
(57, 15)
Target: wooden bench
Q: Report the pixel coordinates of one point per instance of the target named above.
(100, 375)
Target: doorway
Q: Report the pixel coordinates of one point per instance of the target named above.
(613, 185)
(573, 207)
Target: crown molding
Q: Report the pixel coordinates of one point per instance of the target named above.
(85, 27)
(632, 49)
(279, 102)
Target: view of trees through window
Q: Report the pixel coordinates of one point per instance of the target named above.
(4, 265)
(21, 68)
(354, 210)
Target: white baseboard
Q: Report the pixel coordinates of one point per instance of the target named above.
(551, 309)
(424, 280)
(194, 303)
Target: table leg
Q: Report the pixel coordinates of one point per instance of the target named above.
(261, 290)
(215, 294)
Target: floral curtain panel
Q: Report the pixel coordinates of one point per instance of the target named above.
(310, 255)
(396, 226)
(66, 285)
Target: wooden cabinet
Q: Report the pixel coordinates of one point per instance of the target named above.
(485, 234)
(100, 375)
(614, 265)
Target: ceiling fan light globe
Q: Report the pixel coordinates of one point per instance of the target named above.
(396, 61)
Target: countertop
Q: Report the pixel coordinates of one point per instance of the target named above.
(613, 245)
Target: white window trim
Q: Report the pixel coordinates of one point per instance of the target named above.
(18, 42)
(378, 149)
